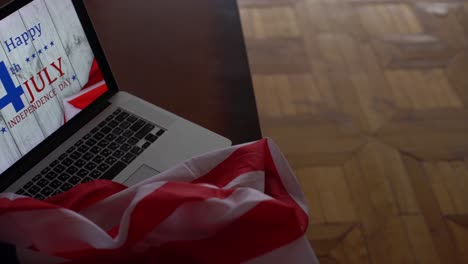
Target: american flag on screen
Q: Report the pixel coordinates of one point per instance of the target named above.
(236, 205)
(95, 87)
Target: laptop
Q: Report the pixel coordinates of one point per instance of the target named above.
(63, 120)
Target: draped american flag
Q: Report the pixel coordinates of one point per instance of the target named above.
(236, 205)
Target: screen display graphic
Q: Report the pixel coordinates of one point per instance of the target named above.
(48, 74)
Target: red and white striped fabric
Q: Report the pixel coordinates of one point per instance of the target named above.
(236, 205)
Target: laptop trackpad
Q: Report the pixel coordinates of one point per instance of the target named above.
(142, 173)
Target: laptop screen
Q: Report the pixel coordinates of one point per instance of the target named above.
(48, 74)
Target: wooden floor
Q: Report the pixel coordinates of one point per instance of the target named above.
(369, 101)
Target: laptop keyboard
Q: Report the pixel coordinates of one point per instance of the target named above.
(101, 154)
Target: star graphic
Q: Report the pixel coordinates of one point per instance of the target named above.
(39, 51)
(46, 47)
(33, 56)
(3, 130)
(28, 59)
(52, 43)
(74, 77)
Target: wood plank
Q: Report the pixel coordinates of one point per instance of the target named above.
(325, 237)
(27, 134)
(72, 37)
(376, 206)
(10, 152)
(38, 12)
(456, 76)
(352, 248)
(275, 22)
(329, 188)
(281, 56)
(50, 115)
(461, 237)
(443, 239)
(440, 188)
(421, 240)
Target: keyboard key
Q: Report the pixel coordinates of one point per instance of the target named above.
(111, 160)
(118, 153)
(37, 178)
(90, 166)
(132, 119)
(113, 123)
(96, 174)
(47, 191)
(129, 157)
(63, 177)
(75, 155)
(34, 190)
(87, 136)
(87, 179)
(51, 175)
(160, 132)
(128, 133)
(122, 116)
(83, 149)
(116, 112)
(106, 152)
(42, 183)
(74, 180)
(80, 163)
(70, 150)
(116, 169)
(79, 143)
(103, 167)
(145, 130)
(124, 124)
(98, 136)
(151, 138)
(59, 168)
(95, 130)
(111, 137)
(21, 192)
(45, 170)
(120, 140)
(137, 125)
(88, 156)
(66, 186)
(55, 184)
(125, 147)
(105, 130)
(109, 118)
(113, 146)
(98, 159)
(54, 163)
(67, 162)
(117, 131)
(103, 123)
(72, 170)
(91, 142)
(136, 150)
(146, 145)
(63, 156)
(103, 143)
(28, 185)
(82, 173)
(95, 149)
(132, 141)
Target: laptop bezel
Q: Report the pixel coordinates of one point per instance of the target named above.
(31, 159)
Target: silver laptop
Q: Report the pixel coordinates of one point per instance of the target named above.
(62, 119)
